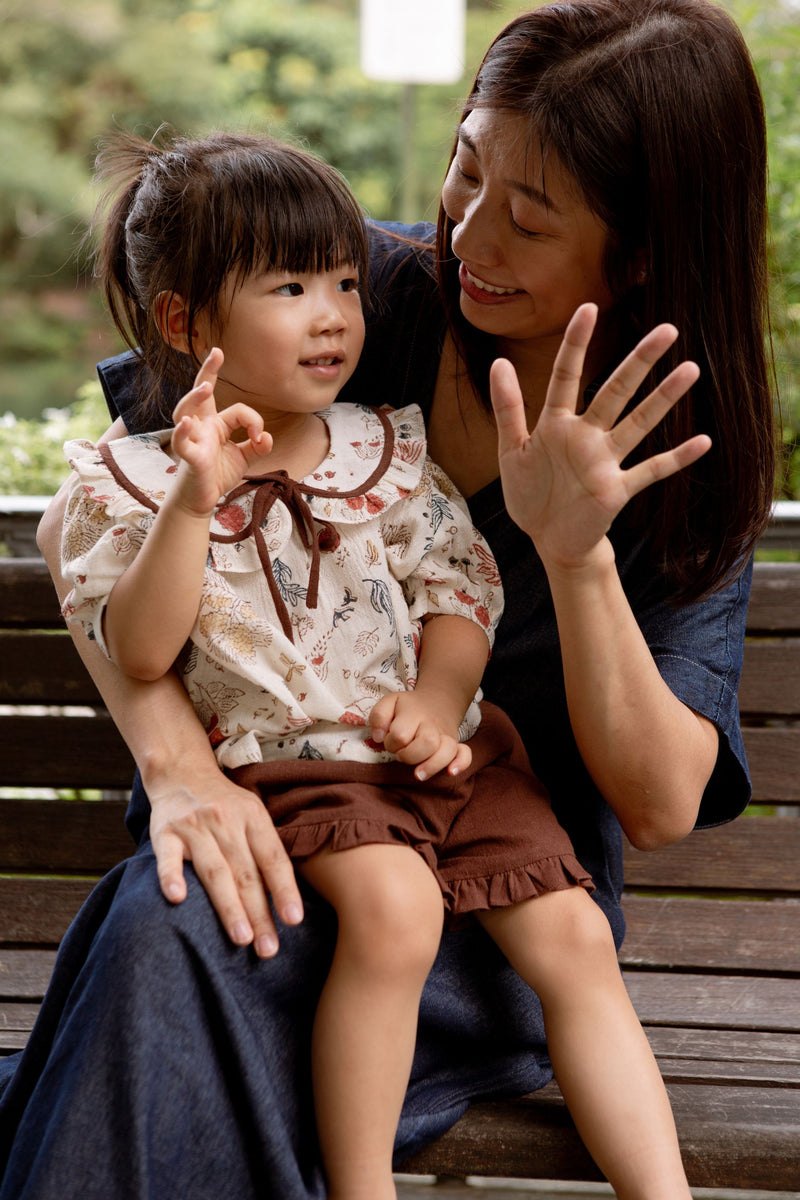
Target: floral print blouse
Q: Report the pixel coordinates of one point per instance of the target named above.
(314, 592)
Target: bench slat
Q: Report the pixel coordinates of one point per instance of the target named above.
(66, 836)
(43, 667)
(64, 752)
(27, 595)
(25, 974)
(771, 677)
(731, 935)
(775, 599)
(756, 1003)
(39, 910)
(773, 755)
(738, 1137)
(752, 854)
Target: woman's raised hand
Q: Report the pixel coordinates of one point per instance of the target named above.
(203, 440)
(563, 482)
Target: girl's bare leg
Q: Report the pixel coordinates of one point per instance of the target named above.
(390, 913)
(561, 945)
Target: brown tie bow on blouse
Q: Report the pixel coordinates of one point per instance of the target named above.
(316, 535)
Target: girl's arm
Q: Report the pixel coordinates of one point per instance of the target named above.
(153, 605)
(650, 755)
(421, 726)
(198, 814)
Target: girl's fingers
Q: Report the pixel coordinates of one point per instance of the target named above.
(197, 398)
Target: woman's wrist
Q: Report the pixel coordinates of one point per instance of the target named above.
(588, 567)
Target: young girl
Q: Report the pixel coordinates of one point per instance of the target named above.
(331, 608)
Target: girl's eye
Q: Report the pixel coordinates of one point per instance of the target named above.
(348, 285)
(290, 289)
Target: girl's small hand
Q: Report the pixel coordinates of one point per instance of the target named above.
(412, 730)
(564, 483)
(212, 463)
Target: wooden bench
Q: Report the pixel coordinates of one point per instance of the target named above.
(712, 955)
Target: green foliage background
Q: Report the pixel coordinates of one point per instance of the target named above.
(71, 72)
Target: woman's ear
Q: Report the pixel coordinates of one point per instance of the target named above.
(172, 319)
(640, 268)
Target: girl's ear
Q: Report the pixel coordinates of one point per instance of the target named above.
(172, 319)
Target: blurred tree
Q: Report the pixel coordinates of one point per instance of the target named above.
(71, 72)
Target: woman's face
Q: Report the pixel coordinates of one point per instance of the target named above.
(530, 249)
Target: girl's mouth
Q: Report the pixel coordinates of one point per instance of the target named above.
(482, 292)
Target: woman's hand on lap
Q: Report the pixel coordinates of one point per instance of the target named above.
(564, 483)
(227, 834)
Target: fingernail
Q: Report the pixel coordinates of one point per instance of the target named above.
(174, 892)
(293, 914)
(421, 775)
(266, 946)
(241, 933)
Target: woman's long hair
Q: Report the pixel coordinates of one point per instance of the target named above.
(654, 108)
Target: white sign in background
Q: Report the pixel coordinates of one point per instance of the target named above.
(413, 41)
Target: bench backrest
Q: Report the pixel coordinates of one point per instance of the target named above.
(58, 735)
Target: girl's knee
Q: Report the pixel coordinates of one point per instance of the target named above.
(391, 916)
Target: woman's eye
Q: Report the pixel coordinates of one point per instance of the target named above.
(465, 174)
(290, 289)
(521, 229)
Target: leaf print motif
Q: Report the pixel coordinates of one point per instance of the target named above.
(487, 565)
(440, 511)
(373, 554)
(397, 536)
(291, 592)
(231, 627)
(381, 599)
(214, 701)
(366, 642)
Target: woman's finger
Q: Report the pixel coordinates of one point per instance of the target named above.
(623, 383)
(629, 432)
(661, 466)
(508, 405)
(565, 379)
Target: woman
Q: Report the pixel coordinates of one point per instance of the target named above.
(610, 152)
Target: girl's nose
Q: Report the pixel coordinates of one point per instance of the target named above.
(329, 318)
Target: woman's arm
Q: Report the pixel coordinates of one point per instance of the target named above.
(197, 812)
(650, 755)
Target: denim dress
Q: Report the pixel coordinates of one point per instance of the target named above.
(168, 1063)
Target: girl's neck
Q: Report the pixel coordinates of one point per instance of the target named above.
(300, 443)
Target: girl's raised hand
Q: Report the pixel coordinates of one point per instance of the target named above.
(211, 462)
(564, 483)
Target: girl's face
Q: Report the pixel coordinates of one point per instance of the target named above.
(291, 341)
(530, 249)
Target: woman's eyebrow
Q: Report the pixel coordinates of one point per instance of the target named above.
(536, 195)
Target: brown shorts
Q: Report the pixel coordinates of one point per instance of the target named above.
(489, 835)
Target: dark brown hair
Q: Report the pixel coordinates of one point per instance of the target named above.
(654, 108)
(189, 214)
